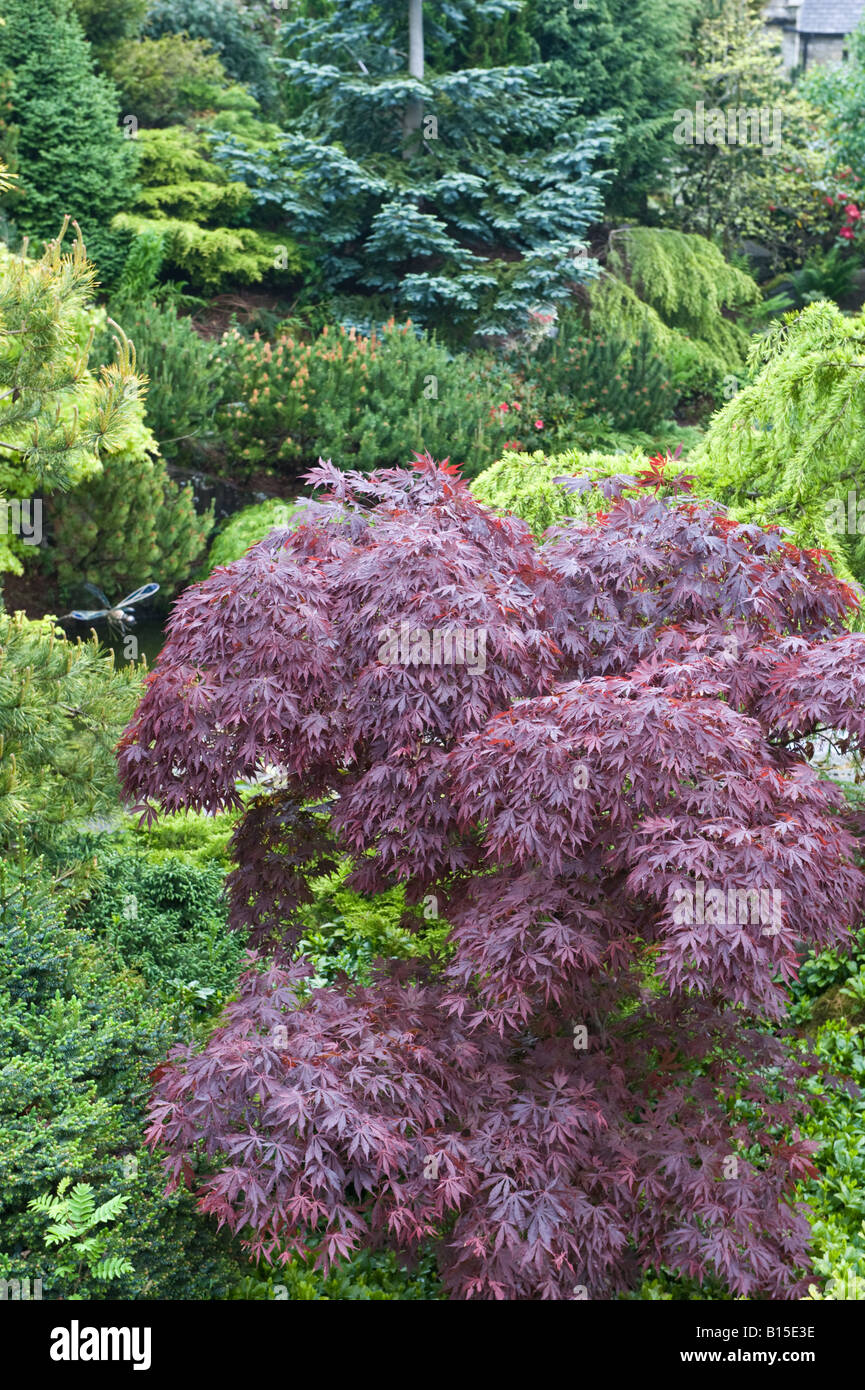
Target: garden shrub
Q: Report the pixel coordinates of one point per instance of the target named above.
(525, 485)
(201, 216)
(836, 1195)
(198, 838)
(164, 81)
(186, 376)
(213, 258)
(56, 415)
(167, 920)
(126, 526)
(624, 384)
(788, 447)
(641, 723)
(370, 1276)
(245, 528)
(69, 148)
(230, 32)
(346, 932)
(366, 401)
(78, 1038)
(62, 706)
(678, 288)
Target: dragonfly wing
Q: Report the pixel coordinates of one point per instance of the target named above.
(144, 592)
(84, 615)
(97, 592)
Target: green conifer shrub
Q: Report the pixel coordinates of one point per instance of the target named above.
(524, 485)
(367, 401)
(187, 375)
(128, 525)
(679, 288)
(245, 528)
(62, 707)
(69, 148)
(788, 448)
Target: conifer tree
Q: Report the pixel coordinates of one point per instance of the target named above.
(62, 705)
(626, 59)
(788, 447)
(68, 144)
(56, 417)
(458, 198)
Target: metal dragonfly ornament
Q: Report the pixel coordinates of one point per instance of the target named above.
(115, 614)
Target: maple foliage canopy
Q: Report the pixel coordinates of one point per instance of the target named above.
(583, 1085)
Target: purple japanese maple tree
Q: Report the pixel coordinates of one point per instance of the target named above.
(586, 1084)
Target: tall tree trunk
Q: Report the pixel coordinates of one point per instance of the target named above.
(413, 114)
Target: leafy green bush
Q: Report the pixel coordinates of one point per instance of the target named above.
(168, 921)
(74, 1217)
(198, 838)
(62, 709)
(523, 484)
(345, 932)
(79, 1036)
(231, 33)
(837, 1195)
(370, 1276)
(163, 81)
(245, 528)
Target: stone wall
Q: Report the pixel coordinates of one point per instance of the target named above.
(822, 50)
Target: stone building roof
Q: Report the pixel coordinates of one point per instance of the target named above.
(829, 16)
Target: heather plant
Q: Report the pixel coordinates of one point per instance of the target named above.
(581, 1086)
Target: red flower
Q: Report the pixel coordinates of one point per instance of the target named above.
(852, 211)
(504, 406)
(830, 201)
(847, 232)
(539, 424)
